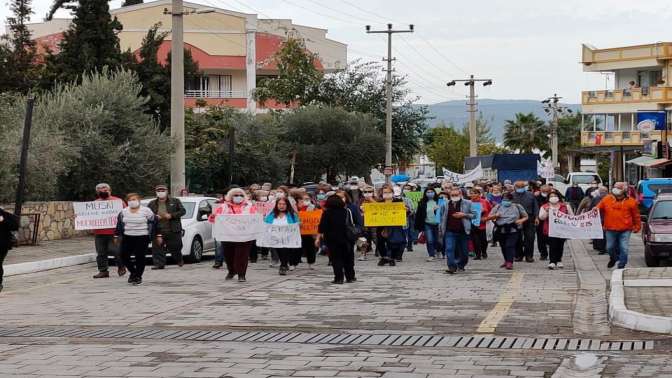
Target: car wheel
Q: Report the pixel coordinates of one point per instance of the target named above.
(196, 253)
(651, 261)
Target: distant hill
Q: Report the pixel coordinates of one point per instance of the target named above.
(496, 112)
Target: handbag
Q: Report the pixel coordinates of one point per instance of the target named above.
(422, 239)
(352, 231)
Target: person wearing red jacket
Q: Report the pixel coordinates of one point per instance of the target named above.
(104, 238)
(620, 215)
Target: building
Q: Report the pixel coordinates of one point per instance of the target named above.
(630, 121)
(234, 50)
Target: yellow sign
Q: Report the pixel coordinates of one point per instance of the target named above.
(381, 214)
(310, 220)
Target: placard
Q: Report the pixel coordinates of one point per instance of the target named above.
(237, 227)
(459, 178)
(310, 221)
(588, 225)
(264, 208)
(415, 197)
(476, 209)
(97, 215)
(280, 236)
(378, 214)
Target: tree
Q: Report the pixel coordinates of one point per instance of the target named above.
(569, 137)
(527, 134)
(332, 141)
(89, 44)
(297, 77)
(447, 147)
(18, 69)
(361, 88)
(483, 130)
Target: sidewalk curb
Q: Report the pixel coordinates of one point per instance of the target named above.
(622, 317)
(42, 265)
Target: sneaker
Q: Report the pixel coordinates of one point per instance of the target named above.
(337, 282)
(451, 270)
(131, 279)
(393, 263)
(543, 258)
(292, 267)
(104, 274)
(282, 271)
(229, 276)
(137, 281)
(509, 266)
(311, 267)
(611, 263)
(382, 262)
(460, 269)
(430, 259)
(485, 256)
(620, 267)
(529, 259)
(518, 259)
(551, 266)
(217, 266)
(559, 265)
(351, 280)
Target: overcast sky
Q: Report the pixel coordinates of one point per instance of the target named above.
(530, 48)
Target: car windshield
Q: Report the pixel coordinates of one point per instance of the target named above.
(662, 210)
(584, 179)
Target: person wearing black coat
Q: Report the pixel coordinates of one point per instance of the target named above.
(332, 230)
(8, 223)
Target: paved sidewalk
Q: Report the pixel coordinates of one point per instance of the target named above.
(52, 249)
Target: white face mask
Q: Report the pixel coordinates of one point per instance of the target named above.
(162, 195)
(543, 194)
(238, 199)
(280, 195)
(263, 199)
(354, 187)
(271, 197)
(306, 202)
(368, 195)
(455, 198)
(617, 191)
(554, 200)
(133, 204)
(387, 195)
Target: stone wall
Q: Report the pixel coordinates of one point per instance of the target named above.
(56, 221)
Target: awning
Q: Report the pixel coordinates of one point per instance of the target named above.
(649, 162)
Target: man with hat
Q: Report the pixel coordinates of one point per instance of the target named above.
(169, 210)
(104, 238)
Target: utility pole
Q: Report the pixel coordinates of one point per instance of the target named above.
(232, 151)
(553, 108)
(472, 109)
(388, 91)
(23, 162)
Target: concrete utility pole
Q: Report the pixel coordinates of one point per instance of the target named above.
(388, 91)
(472, 104)
(553, 108)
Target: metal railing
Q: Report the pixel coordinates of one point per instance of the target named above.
(644, 94)
(205, 93)
(617, 138)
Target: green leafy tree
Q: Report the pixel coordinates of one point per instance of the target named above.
(297, 77)
(569, 137)
(89, 44)
(332, 141)
(447, 147)
(527, 133)
(19, 71)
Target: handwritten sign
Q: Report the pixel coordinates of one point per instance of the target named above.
(415, 197)
(237, 227)
(310, 220)
(378, 214)
(96, 215)
(280, 236)
(585, 226)
(265, 207)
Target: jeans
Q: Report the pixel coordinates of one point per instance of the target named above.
(457, 253)
(104, 248)
(525, 245)
(219, 252)
(557, 248)
(508, 244)
(409, 233)
(432, 236)
(617, 246)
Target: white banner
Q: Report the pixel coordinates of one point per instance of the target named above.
(459, 178)
(280, 236)
(96, 215)
(585, 226)
(545, 169)
(237, 227)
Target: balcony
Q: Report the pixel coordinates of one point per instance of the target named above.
(595, 60)
(617, 138)
(627, 96)
(205, 93)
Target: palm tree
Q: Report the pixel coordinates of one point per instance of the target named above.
(526, 134)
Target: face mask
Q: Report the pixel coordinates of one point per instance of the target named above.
(430, 195)
(133, 204)
(387, 195)
(506, 203)
(544, 194)
(455, 198)
(280, 195)
(520, 190)
(554, 200)
(321, 196)
(354, 187)
(617, 192)
(595, 193)
(103, 195)
(238, 199)
(161, 195)
(368, 195)
(263, 199)
(306, 202)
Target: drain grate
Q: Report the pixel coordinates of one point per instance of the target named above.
(484, 342)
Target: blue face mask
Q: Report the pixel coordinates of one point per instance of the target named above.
(321, 196)
(430, 195)
(520, 190)
(506, 203)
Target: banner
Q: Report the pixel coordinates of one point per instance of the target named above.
(280, 236)
(237, 227)
(96, 215)
(585, 226)
(310, 220)
(648, 121)
(378, 214)
(415, 197)
(545, 169)
(458, 178)
(265, 207)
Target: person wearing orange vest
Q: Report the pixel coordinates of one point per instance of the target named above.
(556, 246)
(620, 216)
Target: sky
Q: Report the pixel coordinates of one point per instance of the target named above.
(531, 49)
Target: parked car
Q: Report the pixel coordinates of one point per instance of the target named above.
(196, 230)
(647, 190)
(657, 231)
(583, 179)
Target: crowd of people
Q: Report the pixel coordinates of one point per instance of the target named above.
(455, 222)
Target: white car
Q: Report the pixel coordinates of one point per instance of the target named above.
(196, 230)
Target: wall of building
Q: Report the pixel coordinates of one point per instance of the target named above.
(56, 220)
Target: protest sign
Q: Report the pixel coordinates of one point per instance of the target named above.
(415, 197)
(310, 220)
(459, 178)
(280, 236)
(378, 214)
(237, 227)
(585, 226)
(545, 169)
(265, 207)
(476, 209)
(96, 215)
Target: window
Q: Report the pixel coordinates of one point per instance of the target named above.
(196, 83)
(584, 179)
(649, 78)
(662, 210)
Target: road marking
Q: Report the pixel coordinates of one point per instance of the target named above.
(489, 324)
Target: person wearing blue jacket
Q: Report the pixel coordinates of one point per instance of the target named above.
(283, 213)
(454, 228)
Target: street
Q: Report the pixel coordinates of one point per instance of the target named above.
(412, 320)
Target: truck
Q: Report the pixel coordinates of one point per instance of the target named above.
(583, 179)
